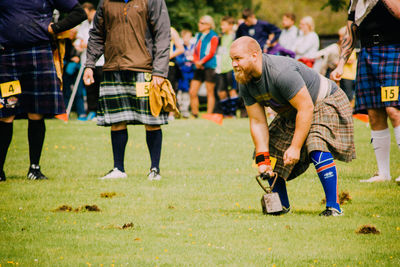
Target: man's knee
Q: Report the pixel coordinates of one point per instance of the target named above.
(152, 127)
(35, 116)
(7, 119)
(118, 126)
(394, 115)
(377, 119)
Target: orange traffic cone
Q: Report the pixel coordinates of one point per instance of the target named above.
(361, 117)
(63, 117)
(214, 117)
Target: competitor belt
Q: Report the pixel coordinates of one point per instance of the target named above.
(380, 40)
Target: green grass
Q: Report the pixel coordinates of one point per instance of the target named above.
(204, 212)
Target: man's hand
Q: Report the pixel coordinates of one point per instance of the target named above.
(157, 81)
(336, 74)
(50, 29)
(88, 77)
(266, 169)
(291, 156)
(199, 65)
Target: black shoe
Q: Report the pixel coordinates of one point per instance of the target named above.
(35, 173)
(331, 212)
(2, 176)
(284, 211)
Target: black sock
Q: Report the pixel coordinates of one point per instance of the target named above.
(154, 142)
(36, 133)
(6, 132)
(118, 141)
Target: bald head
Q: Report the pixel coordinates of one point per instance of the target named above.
(246, 58)
(246, 45)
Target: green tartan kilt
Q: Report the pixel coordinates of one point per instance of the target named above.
(331, 131)
(118, 101)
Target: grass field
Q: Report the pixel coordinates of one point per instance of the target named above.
(204, 212)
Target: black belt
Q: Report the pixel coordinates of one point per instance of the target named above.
(380, 40)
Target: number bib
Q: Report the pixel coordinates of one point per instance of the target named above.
(389, 93)
(142, 89)
(10, 88)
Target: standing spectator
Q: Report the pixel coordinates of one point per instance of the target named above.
(82, 38)
(72, 63)
(226, 84)
(136, 51)
(174, 73)
(205, 61)
(307, 44)
(257, 29)
(289, 32)
(327, 58)
(185, 63)
(27, 70)
(377, 84)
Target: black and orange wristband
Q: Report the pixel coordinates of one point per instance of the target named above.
(262, 158)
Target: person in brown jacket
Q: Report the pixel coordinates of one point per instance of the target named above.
(135, 39)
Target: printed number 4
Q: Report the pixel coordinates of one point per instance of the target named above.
(11, 89)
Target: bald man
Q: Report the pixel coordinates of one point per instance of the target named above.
(314, 121)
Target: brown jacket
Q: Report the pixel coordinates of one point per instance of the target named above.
(133, 36)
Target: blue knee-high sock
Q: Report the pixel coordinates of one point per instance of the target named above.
(6, 132)
(326, 169)
(280, 188)
(224, 106)
(118, 141)
(154, 142)
(233, 105)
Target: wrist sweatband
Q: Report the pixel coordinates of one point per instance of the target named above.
(262, 158)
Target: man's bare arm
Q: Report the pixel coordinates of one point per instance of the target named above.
(346, 47)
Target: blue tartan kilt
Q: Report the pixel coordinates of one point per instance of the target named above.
(40, 87)
(118, 101)
(378, 66)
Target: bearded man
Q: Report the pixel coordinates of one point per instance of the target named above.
(314, 121)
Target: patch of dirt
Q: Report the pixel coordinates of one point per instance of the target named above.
(367, 229)
(127, 225)
(83, 208)
(344, 198)
(64, 208)
(88, 208)
(108, 194)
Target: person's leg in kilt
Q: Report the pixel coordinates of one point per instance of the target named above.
(36, 135)
(6, 132)
(119, 139)
(327, 173)
(154, 143)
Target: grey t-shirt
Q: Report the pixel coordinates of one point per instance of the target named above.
(281, 79)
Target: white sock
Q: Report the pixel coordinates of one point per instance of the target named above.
(397, 135)
(381, 144)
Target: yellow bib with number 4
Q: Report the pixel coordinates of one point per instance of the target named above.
(10, 88)
(142, 89)
(272, 159)
(389, 93)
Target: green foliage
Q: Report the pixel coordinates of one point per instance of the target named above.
(185, 14)
(335, 5)
(204, 212)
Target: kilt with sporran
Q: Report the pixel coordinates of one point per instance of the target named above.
(378, 66)
(40, 88)
(331, 131)
(118, 100)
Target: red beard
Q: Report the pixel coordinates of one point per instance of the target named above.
(242, 76)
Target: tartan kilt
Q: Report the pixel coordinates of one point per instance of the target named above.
(40, 87)
(377, 66)
(118, 101)
(331, 131)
